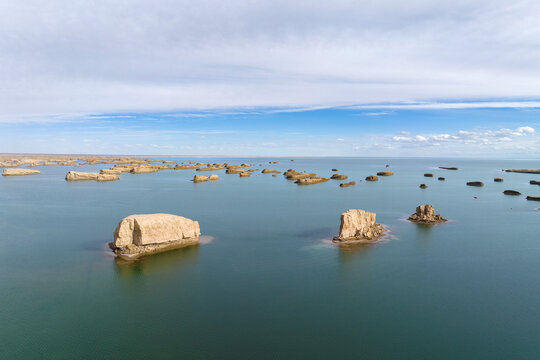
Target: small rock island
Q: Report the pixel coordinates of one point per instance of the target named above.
(140, 235)
(358, 225)
(425, 214)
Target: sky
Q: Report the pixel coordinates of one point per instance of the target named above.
(271, 78)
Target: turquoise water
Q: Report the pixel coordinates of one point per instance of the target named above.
(269, 284)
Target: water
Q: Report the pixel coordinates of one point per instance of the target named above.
(270, 284)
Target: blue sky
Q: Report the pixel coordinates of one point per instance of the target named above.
(487, 132)
(277, 78)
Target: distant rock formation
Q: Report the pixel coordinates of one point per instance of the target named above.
(511, 192)
(524, 171)
(533, 198)
(335, 170)
(339, 177)
(352, 183)
(498, 180)
(385, 173)
(534, 182)
(441, 179)
(425, 214)
(202, 178)
(311, 180)
(372, 178)
(358, 225)
(475, 183)
(19, 172)
(144, 169)
(270, 171)
(82, 176)
(244, 174)
(428, 175)
(423, 186)
(448, 168)
(139, 235)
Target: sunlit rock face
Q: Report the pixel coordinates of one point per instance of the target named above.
(138, 235)
(359, 225)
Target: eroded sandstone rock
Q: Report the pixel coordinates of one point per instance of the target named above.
(19, 172)
(81, 176)
(385, 173)
(372, 178)
(351, 183)
(311, 180)
(339, 177)
(358, 225)
(425, 214)
(139, 235)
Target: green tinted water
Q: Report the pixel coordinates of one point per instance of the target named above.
(270, 285)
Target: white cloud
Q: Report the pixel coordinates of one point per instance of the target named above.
(483, 137)
(102, 56)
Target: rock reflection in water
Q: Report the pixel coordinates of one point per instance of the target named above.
(179, 258)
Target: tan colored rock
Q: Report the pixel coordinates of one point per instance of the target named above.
(111, 171)
(81, 176)
(245, 174)
(311, 180)
(144, 170)
(270, 171)
(358, 225)
(425, 214)
(19, 172)
(372, 178)
(202, 178)
(339, 177)
(385, 173)
(234, 170)
(139, 235)
(352, 183)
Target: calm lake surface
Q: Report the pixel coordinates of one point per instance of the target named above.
(270, 284)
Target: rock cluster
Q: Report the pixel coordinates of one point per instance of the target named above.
(358, 225)
(425, 214)
(18, 172)
(139, 235)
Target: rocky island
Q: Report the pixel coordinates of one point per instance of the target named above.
(425, 214)
(140, 235)
(357, 226)
(19, 172)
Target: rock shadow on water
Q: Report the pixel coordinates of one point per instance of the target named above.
(181, 258)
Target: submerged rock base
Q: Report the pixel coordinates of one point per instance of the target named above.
(359, 225)
(425, 214)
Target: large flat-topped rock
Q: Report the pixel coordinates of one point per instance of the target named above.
(82, 176)
(19, 172)
(359, 225)
(142, 234)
